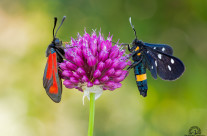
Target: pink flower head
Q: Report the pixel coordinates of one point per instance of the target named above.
(93, 61)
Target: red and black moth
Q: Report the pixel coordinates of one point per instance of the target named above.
(55, 54)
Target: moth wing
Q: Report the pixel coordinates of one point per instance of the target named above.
(168, 67)
(150, 64)
(51, 80)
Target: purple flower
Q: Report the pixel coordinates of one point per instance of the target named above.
(93, 64)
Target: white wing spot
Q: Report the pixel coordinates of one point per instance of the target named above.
(159, 56)
(163, 49)
(154, 47)
(172, 61)
(169, 67)
(155, 63)
(152, 67)
(147, 51)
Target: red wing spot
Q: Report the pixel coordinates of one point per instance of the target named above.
(55, 61)
(49, 67)
(54, 88)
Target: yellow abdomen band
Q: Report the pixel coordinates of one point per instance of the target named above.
(141, 77)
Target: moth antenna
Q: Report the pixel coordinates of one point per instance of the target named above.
(55, 22)
(130, 21)
(60, 25)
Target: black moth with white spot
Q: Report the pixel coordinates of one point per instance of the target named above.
(157, 58)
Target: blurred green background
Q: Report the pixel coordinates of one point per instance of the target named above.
(170, 108)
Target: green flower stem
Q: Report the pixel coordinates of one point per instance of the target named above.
(91, 114)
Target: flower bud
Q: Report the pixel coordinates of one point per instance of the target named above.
(67, 73)
(104, 78)
(81, 71)
(71, 66)
(91, 60)
(97, 73)
(101, 66)
(78, 61)
(74, 80)
(110, 72)
(96, 82)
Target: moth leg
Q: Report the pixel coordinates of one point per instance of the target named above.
(60, 53)
(62, 56)
(130, 49)
(59, 69)
(133, 65)
(120, 43)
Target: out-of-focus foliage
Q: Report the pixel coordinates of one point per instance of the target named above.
(170, 108)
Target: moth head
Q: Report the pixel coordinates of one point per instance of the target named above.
(57, 42)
